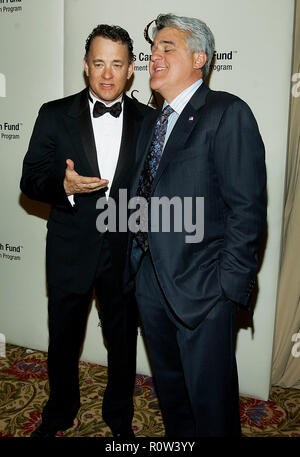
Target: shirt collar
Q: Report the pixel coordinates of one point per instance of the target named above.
(94, 99)
(179, 102)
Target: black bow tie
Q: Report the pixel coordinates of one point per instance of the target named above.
(100, 109)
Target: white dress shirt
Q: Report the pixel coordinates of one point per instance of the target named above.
(178, 105)
(107, 134)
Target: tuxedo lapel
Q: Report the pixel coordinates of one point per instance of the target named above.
(82, 135)
(182, 129)
(88, 140)
(126, 154)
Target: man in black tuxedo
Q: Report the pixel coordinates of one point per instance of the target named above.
(76, 142)
(206, 154)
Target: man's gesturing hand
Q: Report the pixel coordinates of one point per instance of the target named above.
(76, 184)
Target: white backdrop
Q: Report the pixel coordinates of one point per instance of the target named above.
(31, 49)
(255, 35)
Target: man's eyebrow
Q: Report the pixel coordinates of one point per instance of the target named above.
(164, 42)
(98, 59)
(168, 42)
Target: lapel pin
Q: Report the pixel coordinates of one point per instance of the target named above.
(191, 118)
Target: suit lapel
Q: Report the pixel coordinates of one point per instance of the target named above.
(182, 129)
(124, 164)
(82, 135)
(88, 139)
(125, 167)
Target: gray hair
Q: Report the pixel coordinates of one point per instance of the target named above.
(199, 38)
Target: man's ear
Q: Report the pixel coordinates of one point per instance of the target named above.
(86, 67)
(130, 69)
(200, 59)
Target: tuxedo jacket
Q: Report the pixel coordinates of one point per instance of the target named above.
(63, 130)
(214, 151)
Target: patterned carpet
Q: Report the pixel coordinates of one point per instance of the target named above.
(24, 390)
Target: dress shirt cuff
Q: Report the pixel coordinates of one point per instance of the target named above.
(71, 199)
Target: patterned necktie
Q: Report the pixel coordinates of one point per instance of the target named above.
(100, 109)
(151, 165)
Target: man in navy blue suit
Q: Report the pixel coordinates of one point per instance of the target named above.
(203, 144)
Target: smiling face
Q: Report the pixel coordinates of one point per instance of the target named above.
(107, 68)
(172, 67)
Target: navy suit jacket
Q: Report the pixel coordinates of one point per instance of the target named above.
(215, 151)
(63, 130)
